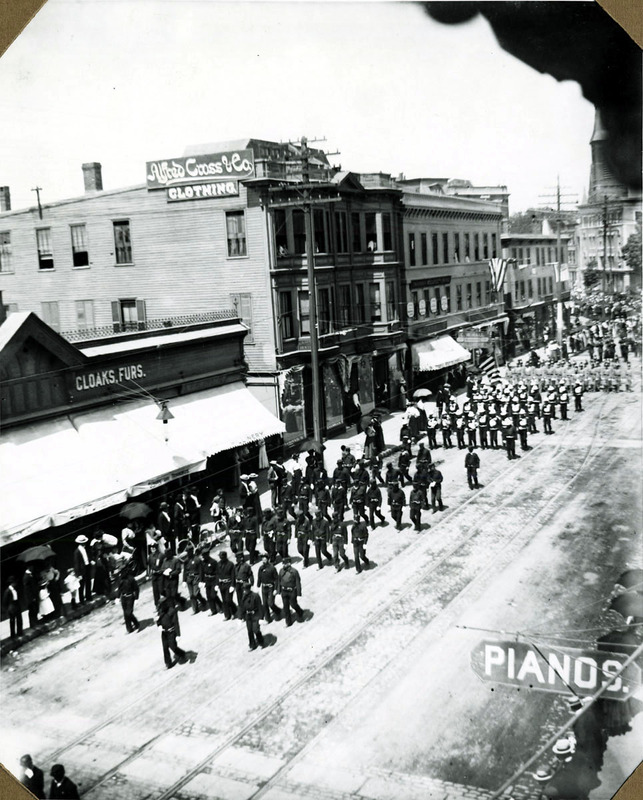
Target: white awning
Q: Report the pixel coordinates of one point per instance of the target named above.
(60, 470)
(438, 353)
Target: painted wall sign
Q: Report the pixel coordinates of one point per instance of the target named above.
(201, 191)
(422, 283)
(422, 308)
(519, 664)
(108, 377)
(434, 305)
(237, 164)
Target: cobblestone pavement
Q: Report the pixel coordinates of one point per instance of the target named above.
(372, 696)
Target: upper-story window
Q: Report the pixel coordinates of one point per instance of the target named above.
(320, 226)
(236, 233)
(467, 246)
(424, 249)
(299, 231)
(341, 229)
(434, 248)
(122, 242)
(485, 240)
(387, 232)
(375, 301)
(79, 251)
(5, 252)
(494, 245)
(356, 232)
(45, 253)
(242, 302)
(445, 248)
(281, 231)
(370, 229)
(412, 249)
(51, 314)
(476, 247)
(456, 248)
(286, 316)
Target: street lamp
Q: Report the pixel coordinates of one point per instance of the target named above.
(164, 415)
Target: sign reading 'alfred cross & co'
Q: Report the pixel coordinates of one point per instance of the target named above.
(233, 165)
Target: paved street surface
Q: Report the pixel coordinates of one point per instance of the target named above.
(372, 696)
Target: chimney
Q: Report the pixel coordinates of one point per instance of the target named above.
(5, 198)
(93, 177)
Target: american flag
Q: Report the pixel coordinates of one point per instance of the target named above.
(489, 368)
(497, 268)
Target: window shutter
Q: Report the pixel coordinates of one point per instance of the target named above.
(141, 315)
(116, 315)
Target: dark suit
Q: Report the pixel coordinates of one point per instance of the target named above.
(36, 783)
(65, 790)
(30, 595)
(84, 573)
(12, 605)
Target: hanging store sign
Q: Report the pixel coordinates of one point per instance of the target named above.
(422, 283)
(422, 308)
(559, 670)
(434, 305)
(201, 191)
(233, 164)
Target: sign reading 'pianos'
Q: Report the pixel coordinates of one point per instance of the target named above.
(231, 165)
(559, 670)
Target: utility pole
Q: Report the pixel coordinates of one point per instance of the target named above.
(558, 266)
(37, 190)
(306, 196)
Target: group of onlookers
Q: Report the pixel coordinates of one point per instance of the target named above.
(33, 778)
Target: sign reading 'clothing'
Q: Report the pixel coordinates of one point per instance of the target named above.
(559, 670)
(201, 191)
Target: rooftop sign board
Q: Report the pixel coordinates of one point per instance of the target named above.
(231, 165)
(559, 670)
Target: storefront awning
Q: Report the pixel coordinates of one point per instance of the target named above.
(438, 353)
(60, 470)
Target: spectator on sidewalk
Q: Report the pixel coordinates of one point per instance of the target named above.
(32, 777)
(11, 604)
(30, 596)
(62, 788)
(83, 568)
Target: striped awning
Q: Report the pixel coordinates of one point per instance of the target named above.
(434, 354)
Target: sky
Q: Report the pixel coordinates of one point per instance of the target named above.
(123, 82)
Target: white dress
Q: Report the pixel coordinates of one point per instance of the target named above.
(45, 606)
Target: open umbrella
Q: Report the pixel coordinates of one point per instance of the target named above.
(418, 393)
(631, 578)
(311, 444)
(135, 511)
(39, 552)
(629, 604)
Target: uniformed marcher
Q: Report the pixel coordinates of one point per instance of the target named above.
(358, 501)
(323, 498)
(483, 427)
(339, 540)
(211, 580)
(251, 611)
(250, 533)
(168, 619)
(416, 501)
(547, 414)
(374, 503)
(563, 401)
(338, 497)
(128, 593)
(403, 464)
(460, 430)
(225, 572)
(445, 426)
(305, 495)
(235, 529)
(578, 396)
(268, 534)
(172, 566)
(472, 465)
(320, 532)
(531, 416)
(397, 501)
(435, 482)
(155, 566)
(359, 538)
(432, 430)
(303, 535)
(282, 529)
(494, 424)
(242, 573)
(192, 577)
(289, 587)
(267, 578)
(509, 436)
(523, 430)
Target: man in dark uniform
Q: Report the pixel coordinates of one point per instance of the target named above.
(396, 501)
(523, 430)
(251, 610)
(483, 426)
(242, 574)
(392, 478)
(358, 501)
(435, 482)
(267, 579)
(289, 586)
(578, 396)
(432, 430)
(359, 538)
(250, 532)
(268, 533)
(509, 435)
(338, 497)
(547, 414)
(192, 577)
(283, 533)
(128, 593)
(164, 524)
(323, 498)
(225, 573)
(403, 464)
(339, 540)
(305, 495)
(472, 465)
(302, 535)
(32, 777)
(320, 532)
(210, 578)
(155, 565)
(11, 604)
(288, 494)
(416, 500)
(235, 528)
(374, 503)
(494, 424)
(168, 619)
(172, 566)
